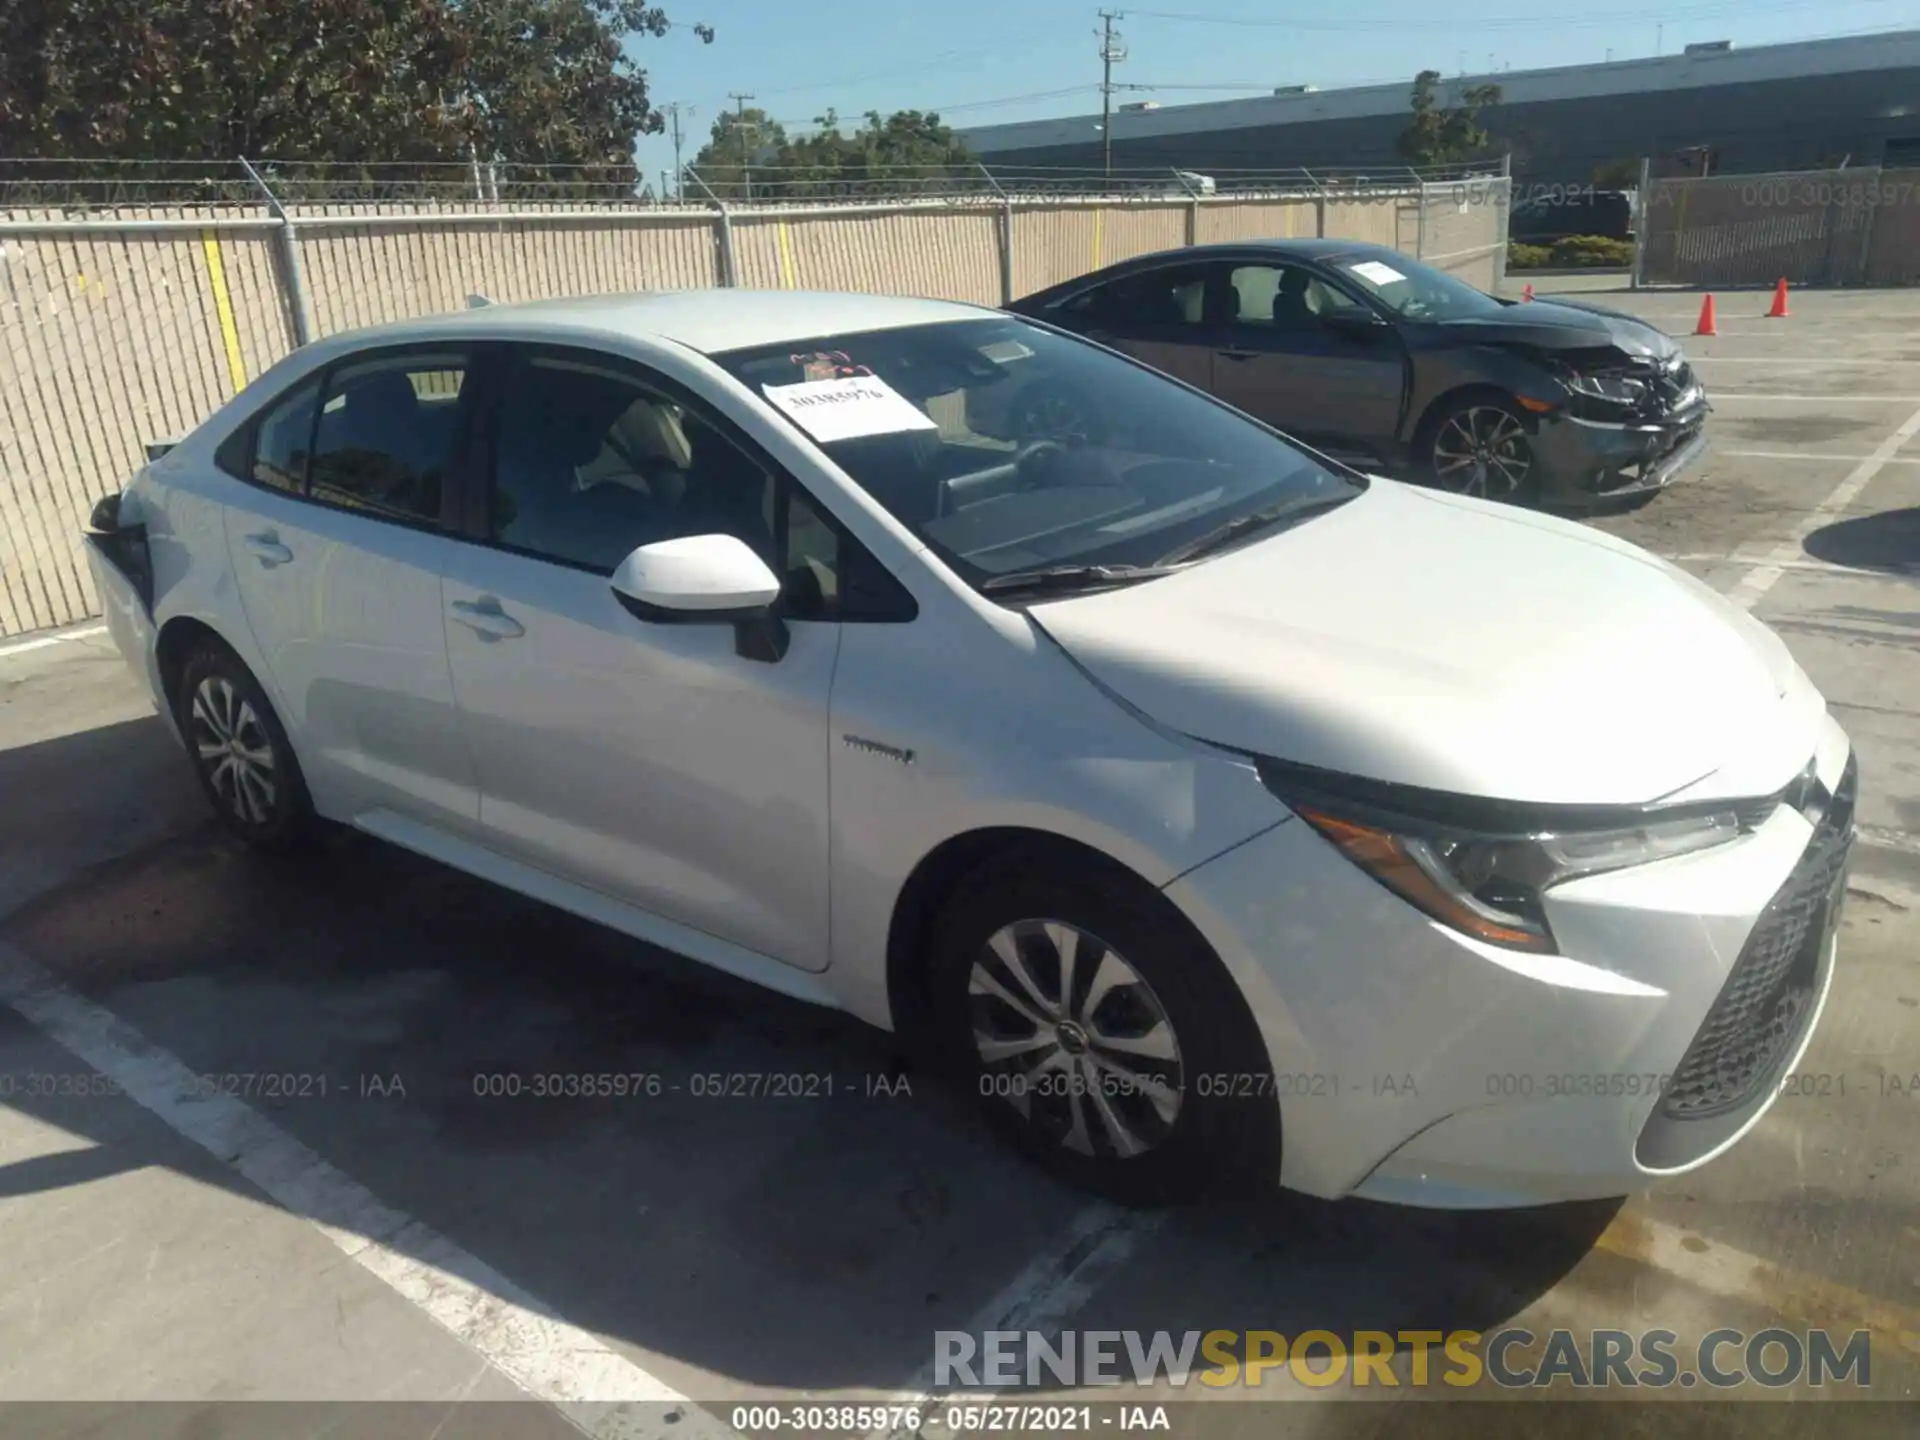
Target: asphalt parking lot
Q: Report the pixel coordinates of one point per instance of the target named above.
(362, 1222)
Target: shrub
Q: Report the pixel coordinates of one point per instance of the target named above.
(1528, 257)
(1594, 250)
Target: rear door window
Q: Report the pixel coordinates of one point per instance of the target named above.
(385, 435)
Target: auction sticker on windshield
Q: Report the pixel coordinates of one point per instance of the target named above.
(848, 408)
(1378, 273)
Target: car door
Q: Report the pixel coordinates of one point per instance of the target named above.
(650, 761)
(337, 544)
(1304, 356)
(1157, 315)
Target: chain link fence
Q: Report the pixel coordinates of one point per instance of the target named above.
(134, 303)
(1857, 226)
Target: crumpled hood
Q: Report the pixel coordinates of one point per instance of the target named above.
(1566, 325)
(1452, 644)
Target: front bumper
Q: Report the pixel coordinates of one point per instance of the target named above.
(1418, 1066)
(1585, 463)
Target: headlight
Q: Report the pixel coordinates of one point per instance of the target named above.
(1610, 389)
(1490, 885)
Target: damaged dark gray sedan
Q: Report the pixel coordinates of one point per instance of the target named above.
(1390, 364)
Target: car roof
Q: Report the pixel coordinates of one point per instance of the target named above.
(710, 321)
(1322, 250)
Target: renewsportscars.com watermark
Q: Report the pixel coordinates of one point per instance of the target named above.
(1512, 1358)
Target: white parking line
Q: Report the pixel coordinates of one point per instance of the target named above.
(601, 1393)
(1816, 567)
(1720, 395)
(41, 642)
(1796, 455)
(1756, 582)
(1801, 361)
(1055, 1284)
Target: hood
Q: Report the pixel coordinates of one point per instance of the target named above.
(1564, 325)
(1441, 642)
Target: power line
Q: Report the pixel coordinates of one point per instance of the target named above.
(932, 62)
(674, 110)
(740, 98)
(1111, 53)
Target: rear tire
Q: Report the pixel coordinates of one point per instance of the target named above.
(240, 752)
(1100, 1034)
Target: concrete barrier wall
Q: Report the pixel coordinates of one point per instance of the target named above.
(116, 331)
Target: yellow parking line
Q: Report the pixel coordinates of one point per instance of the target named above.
(223, 308)
(1731, 1274)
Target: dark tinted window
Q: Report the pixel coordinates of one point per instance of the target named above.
(386, 432)
(590, 463)
(234, 452)
(281, 437)
(1170, 295)
(1281, 297)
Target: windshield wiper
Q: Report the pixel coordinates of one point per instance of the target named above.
(1072, 577)
(1225, 535)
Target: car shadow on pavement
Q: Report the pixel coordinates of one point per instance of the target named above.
(811, 1240)
(1888, 541)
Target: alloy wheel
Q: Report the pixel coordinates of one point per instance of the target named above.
(234, 750)
(1482, 450)
(1070, 1035)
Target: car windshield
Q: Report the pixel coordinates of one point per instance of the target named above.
(1009, 448)
(1414, 291)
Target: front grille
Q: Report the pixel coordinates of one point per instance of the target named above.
(1769, 995)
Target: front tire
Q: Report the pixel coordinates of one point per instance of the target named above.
(1100, 1034)
(1481, 447)
(240, 752)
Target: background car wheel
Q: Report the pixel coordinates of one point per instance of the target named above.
(1100, 1033)
(240, 752)
(1481, 447)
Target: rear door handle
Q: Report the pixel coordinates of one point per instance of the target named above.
(486, 619)
(268, 550)
(1237, 354)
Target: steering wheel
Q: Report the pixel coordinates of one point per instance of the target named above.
(1049, 412)
(1036, 463)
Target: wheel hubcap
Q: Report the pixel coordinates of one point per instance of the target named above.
(1073, 1037)
(1482, 451)
(234, 749)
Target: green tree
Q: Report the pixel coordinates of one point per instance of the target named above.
(883, 154)
(738, 141)
(1445, 135)
(533, 81)
(1617, 175)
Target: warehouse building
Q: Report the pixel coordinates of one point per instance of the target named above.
(1803, 106)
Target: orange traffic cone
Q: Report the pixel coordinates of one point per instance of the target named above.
(1527, 294)
(1779, 310)
(1706, 326)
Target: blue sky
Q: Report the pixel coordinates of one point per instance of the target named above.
(856, 55)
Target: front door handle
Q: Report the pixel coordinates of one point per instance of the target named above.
(487, 620)
(1237, 354)
(268, 550)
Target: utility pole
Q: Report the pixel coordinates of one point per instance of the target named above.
(740, 99)
(674, 109)
(1111, 53)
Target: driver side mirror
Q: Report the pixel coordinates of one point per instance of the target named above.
(710, 579)
(1355, 321)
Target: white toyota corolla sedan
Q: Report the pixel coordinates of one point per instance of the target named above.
(1211, 811)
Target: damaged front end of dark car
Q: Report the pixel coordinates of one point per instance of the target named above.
(1621, 425)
